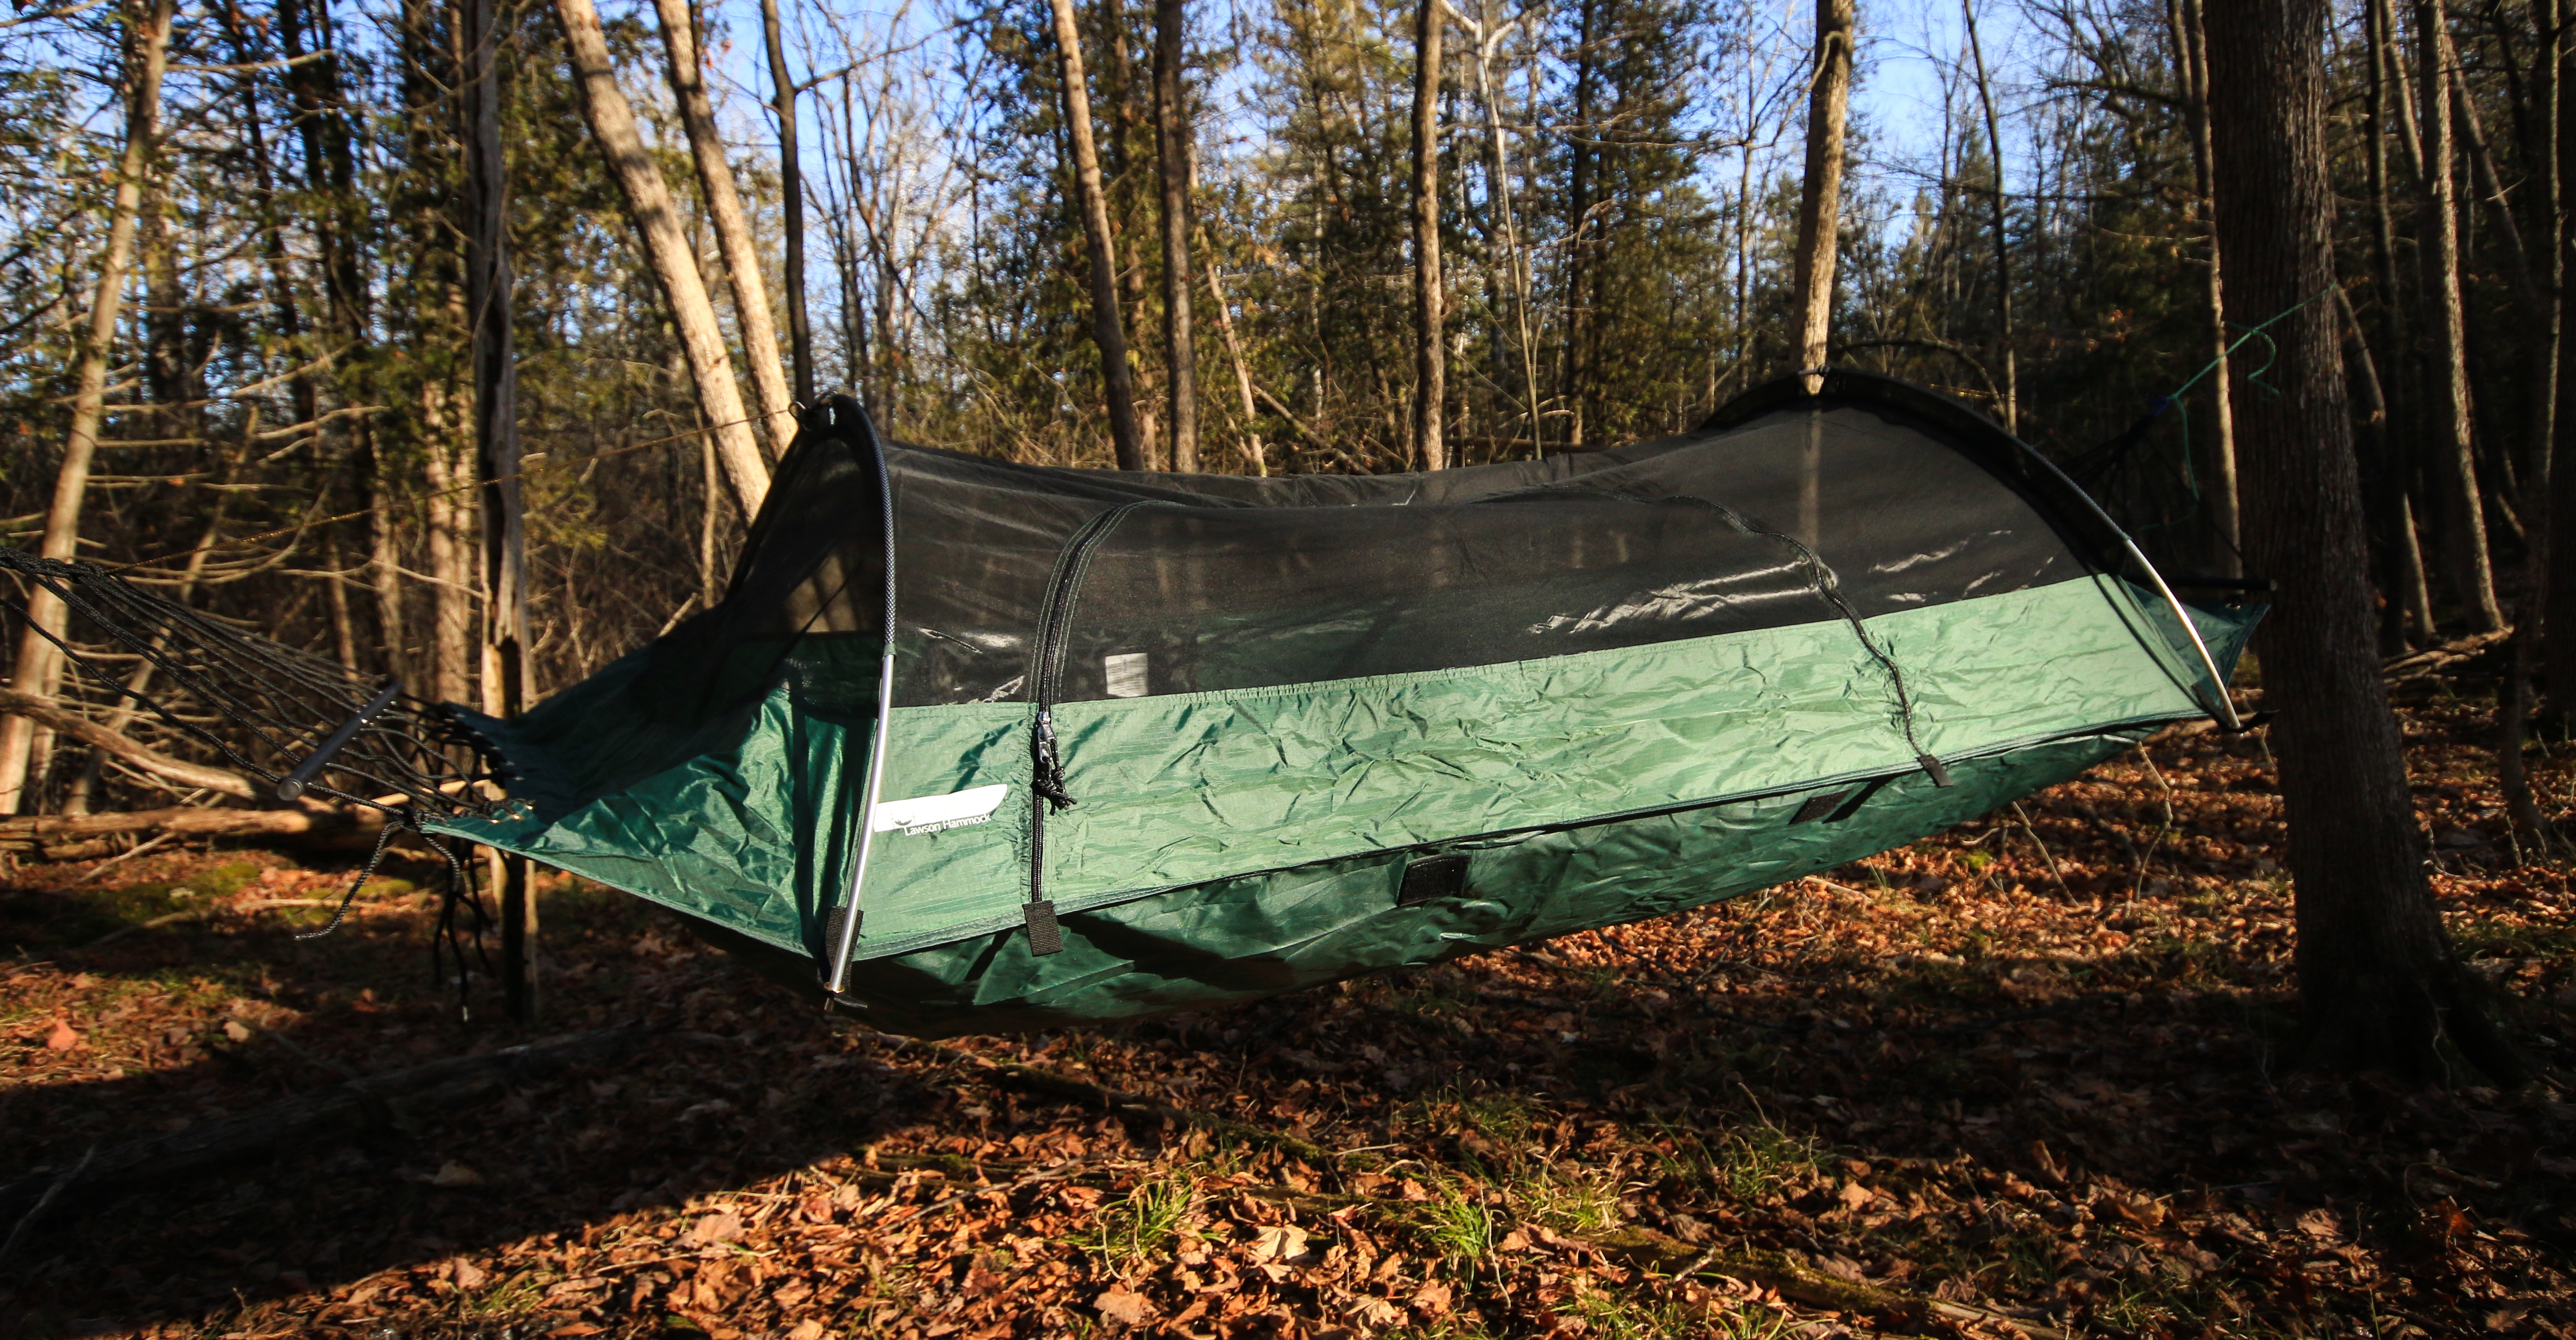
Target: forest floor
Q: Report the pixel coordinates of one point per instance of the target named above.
(2020, 1091)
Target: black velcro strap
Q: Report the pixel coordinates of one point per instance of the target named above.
(1940, 775)
(1429, 877)
(1818, 806)
(1858, 798)
(1045, 936)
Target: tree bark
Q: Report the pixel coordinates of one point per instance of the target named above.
(1430, 323)
(2559, 623)
(791, 195)
(667, 250)
(2379, 986)
(1173, 134)
(2192, 42)
(1108, 329)
(2003, 239)
(488, 299)
(52, 716)
(453, 590)
(2385, 474)
(39, 663)
(733, 228)
(2447, 374)
(1820, 201)
(1252, 452)
(1574, 387)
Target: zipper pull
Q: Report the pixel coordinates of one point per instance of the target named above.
(1047, 778)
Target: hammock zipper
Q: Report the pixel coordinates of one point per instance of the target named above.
(1048, 791)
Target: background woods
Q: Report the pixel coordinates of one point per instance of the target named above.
(293, 296)
(236, 260)
(305, 303)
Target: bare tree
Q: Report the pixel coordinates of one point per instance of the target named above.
(2002, 238)
(2379, 986)
(1498, 188)
(39, 664)
(1820, 198)
(1172, 139)
(2447, 370)
(791, 197)
(488, 300)
(667, 250)
(733, 228)
(1430, 327)
(1108, 330)
(2191, 59)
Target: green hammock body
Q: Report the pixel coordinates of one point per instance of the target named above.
(1320, 726)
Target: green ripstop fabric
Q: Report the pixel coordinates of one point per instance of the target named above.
(1180, 789)
(739, 810)
(746, 817)
(1231, 940)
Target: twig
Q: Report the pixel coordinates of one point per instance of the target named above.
(37, 1211)
(2033, 833)
(128, 854)
(2146, 861)
(201, 913)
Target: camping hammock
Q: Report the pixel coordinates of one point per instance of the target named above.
(1150, 742)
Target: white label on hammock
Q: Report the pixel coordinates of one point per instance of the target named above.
(934, 814)
(1126, 674)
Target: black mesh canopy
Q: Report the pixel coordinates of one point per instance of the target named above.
(1158, 583)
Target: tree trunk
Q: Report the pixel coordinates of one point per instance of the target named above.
(1252, 451)
(1820, 200)
(1573, 388)
(451, 549)
(791, 196)
(1118, 88)
(2385, 474)
(1430, 326)
(733, 228)
(2559, 623)
(1172, 143)
(2379, 986)
(38, 661)
(1108, 330)
(2192, 41)
(1516, 278)
(2003, 239)
(667, 250)
(488, 299)
(2447, 373)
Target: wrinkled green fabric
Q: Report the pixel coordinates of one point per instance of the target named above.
(1179, 789)
(1239, 939)
(735, 799)
(1249, 841)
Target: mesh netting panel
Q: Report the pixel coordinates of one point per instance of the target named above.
(265, 708)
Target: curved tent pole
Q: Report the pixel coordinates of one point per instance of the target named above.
(2222, 708)
(1947, 411)
(843, 414)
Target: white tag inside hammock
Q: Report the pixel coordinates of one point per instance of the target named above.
(1125, 674)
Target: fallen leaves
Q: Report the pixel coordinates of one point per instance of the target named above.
(1123, 1307)
(1953, 1071)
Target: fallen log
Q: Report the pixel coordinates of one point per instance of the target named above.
(2435, 660)
(47, 713)
(73, 836)
(374, 1101)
